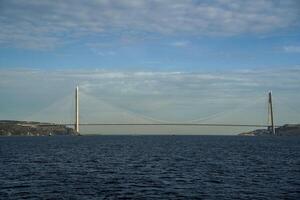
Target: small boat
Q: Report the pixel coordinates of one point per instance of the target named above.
(50, 134)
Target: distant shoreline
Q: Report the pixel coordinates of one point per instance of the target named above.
(32, 128)
(285, 130)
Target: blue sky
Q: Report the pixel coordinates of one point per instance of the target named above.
(138, 49)
(163, 53)
(193, 35)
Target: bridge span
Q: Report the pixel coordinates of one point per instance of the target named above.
(171, 124)
(270, 126)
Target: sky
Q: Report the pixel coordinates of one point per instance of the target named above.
(150, 61)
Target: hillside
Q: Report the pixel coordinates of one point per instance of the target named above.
(285, 130)
(28, 128)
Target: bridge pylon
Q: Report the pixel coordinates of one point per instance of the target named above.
(270, 114)
(77, 109)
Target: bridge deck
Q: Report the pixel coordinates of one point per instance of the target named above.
(169, 124)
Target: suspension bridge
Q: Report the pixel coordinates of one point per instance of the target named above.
(271, 126)
(92, 110)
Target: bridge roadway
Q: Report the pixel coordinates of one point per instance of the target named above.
(169, 124)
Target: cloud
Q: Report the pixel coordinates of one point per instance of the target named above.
(105, 53)
(46, 24)
(162, 84)
(179, 43)
(291, 49)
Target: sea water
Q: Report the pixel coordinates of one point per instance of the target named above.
(150, 167)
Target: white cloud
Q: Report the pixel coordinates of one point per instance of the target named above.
(162, 83)
(292, 49)
(105, 53)
(46, 24)
(179, 43)
(166, 82)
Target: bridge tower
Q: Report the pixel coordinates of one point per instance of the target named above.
(77, 109)
(270, 114)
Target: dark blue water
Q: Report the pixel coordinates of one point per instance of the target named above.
(150, 167)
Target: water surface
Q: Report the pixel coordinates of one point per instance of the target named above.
(150, 167)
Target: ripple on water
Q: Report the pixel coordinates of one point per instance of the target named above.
(148, 167)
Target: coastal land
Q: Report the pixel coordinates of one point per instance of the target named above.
(30, 128)
(285, 130)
